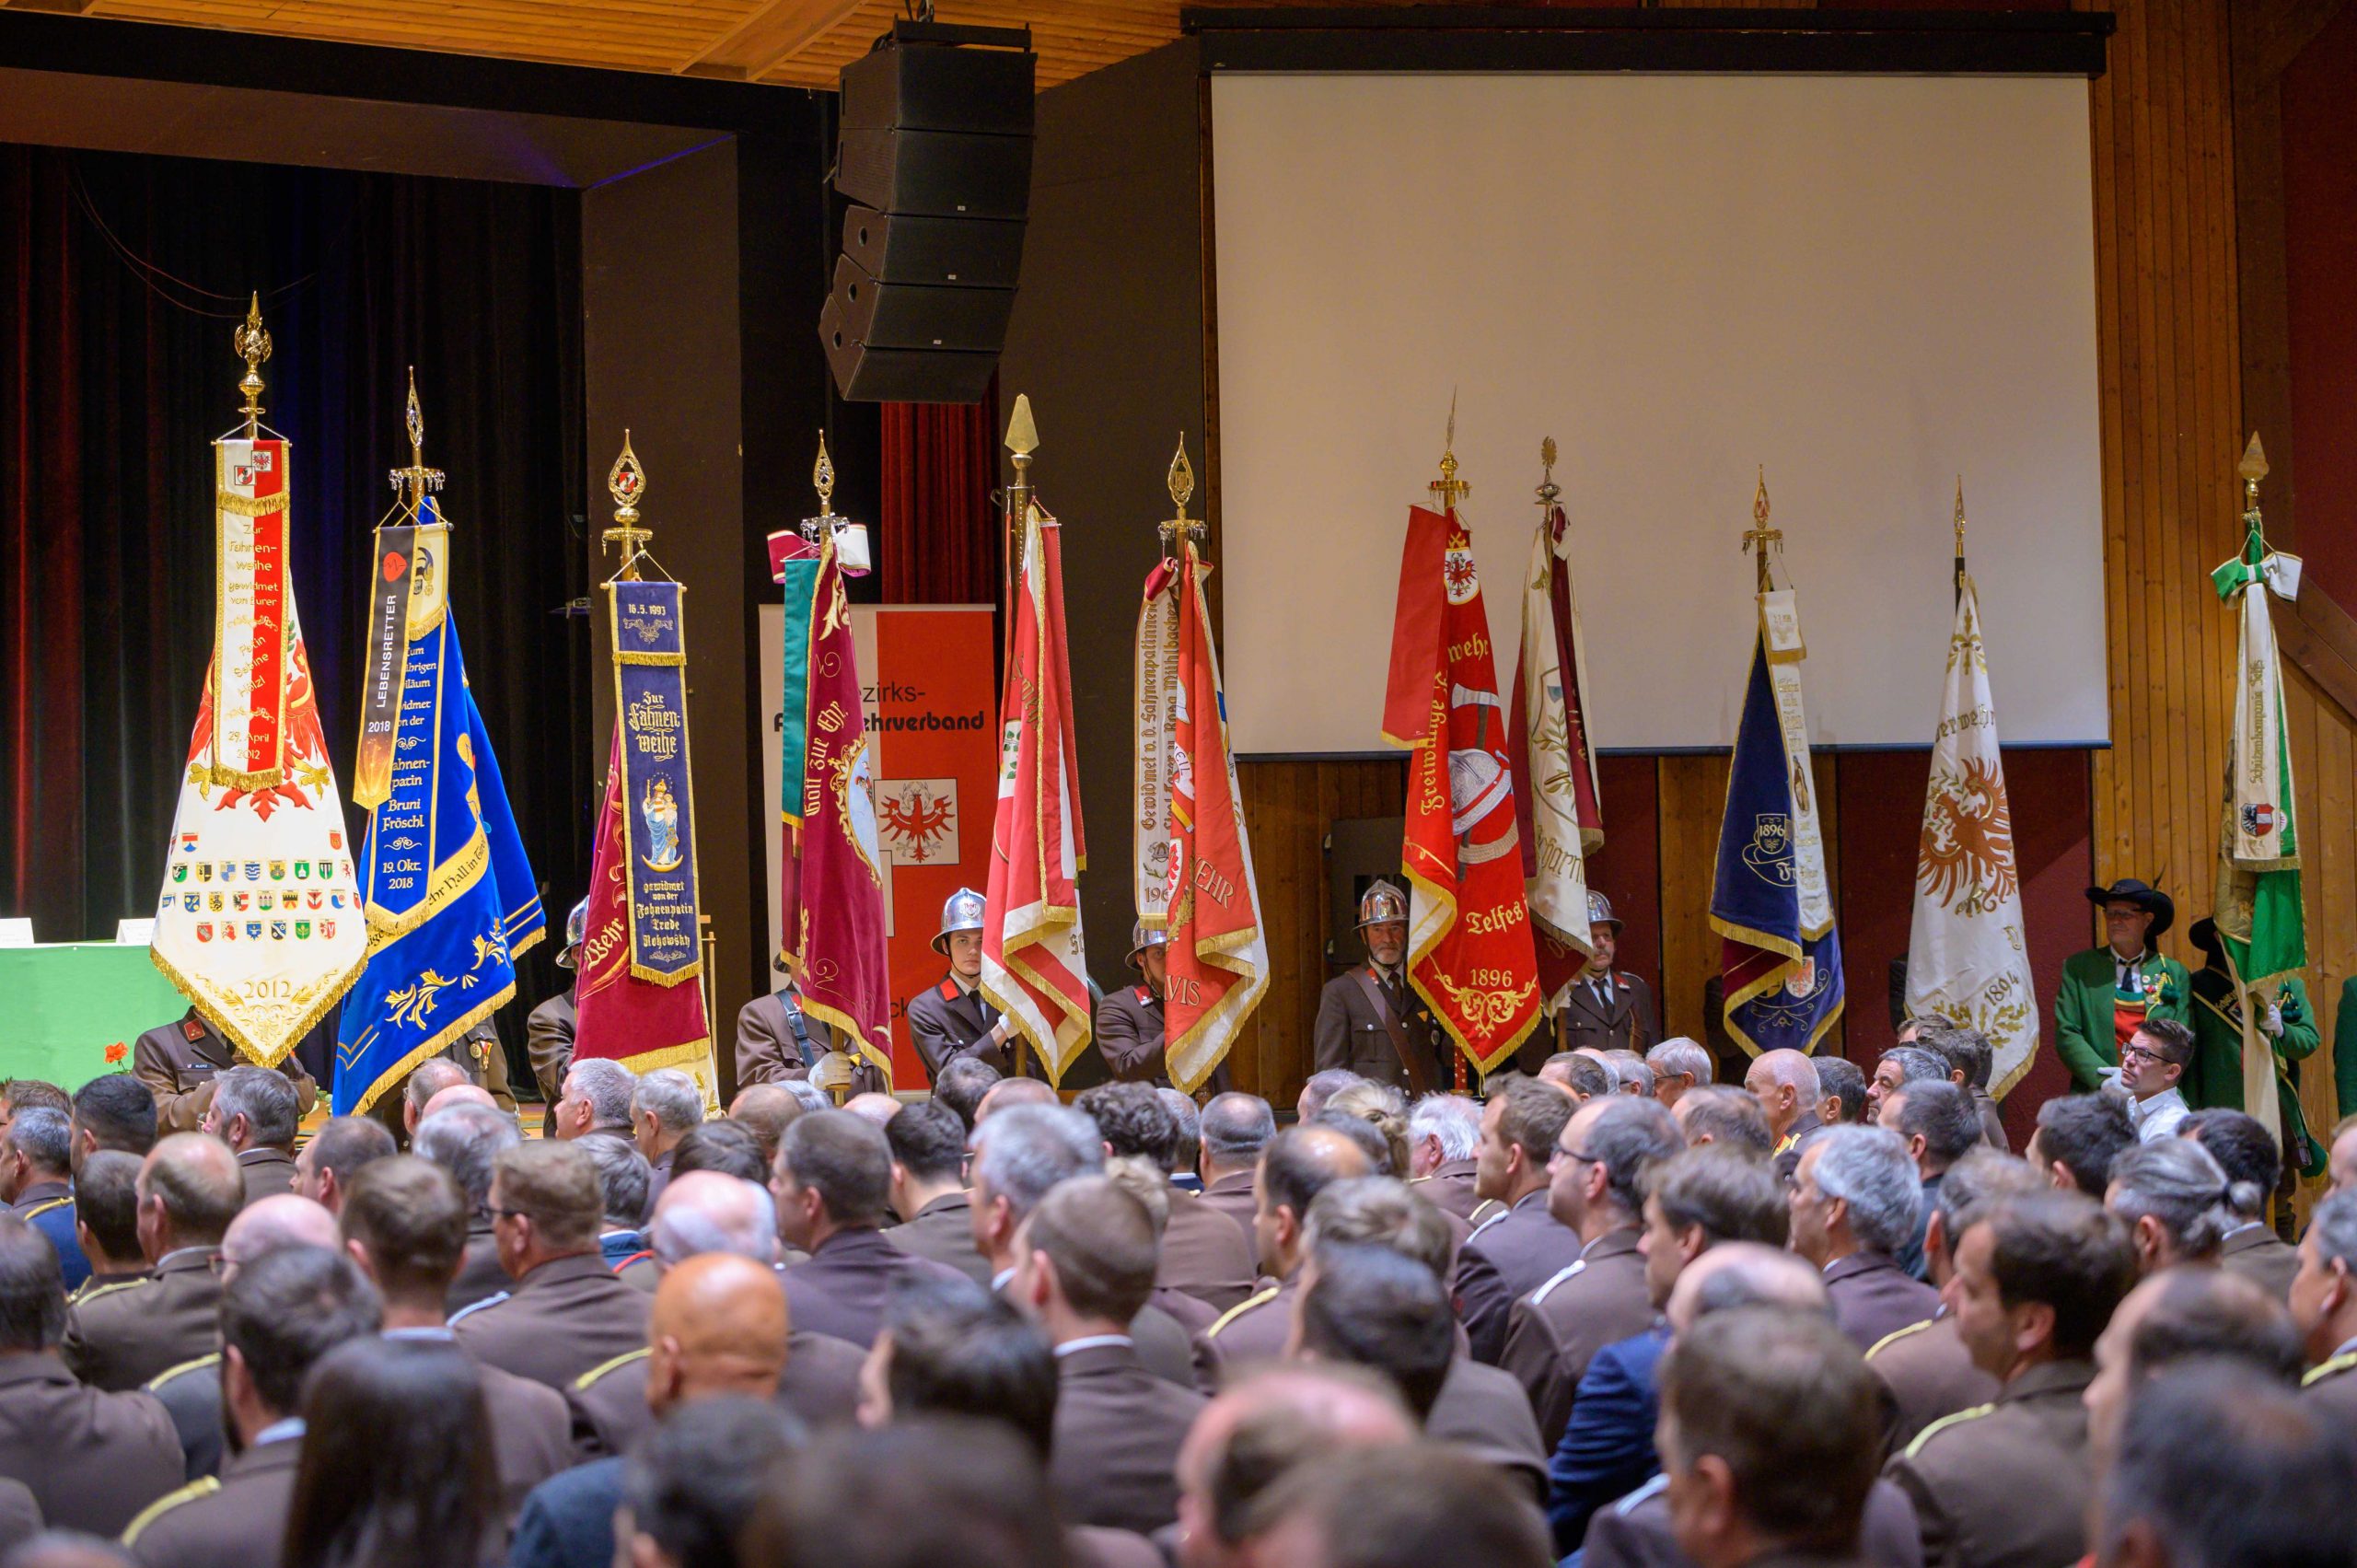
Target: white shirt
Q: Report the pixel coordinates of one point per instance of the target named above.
(2158, 1116)
(1090, 1341)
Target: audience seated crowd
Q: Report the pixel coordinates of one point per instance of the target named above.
(1615, 1315)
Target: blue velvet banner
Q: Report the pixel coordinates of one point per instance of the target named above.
(651, 701)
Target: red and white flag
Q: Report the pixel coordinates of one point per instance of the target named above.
(1557, 806)
(1469, 951)
(1218, 954)
(1034, 965)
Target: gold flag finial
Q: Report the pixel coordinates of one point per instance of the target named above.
(626, 482)
(413, 483)
(1022, 435)
(1549, 491)
(251, 345)
(1448, 489)
(2253, 468)
(1761, 536)
(822, 476)
(1959, 516)
(1179, 526)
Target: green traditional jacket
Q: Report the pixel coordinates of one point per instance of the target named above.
(2084, 1035)
(2344, 1048)
(2215, 1080)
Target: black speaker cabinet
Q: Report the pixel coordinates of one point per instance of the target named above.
(965, 252)
(936, 173)
(901, 375)
(921, 87)
(903, 314)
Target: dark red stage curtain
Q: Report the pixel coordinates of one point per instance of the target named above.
(938, 540)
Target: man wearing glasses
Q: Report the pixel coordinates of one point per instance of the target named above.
(2151, 1064)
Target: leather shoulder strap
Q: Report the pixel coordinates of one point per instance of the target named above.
(1419, 1075)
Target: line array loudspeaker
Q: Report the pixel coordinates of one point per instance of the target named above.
(936, 147)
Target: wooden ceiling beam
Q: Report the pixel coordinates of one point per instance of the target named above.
(769, 36)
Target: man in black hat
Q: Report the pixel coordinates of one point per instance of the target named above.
(2108, 992)
(954, 1018)
(1605, 1008)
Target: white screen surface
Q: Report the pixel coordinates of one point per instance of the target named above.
(1869, 285)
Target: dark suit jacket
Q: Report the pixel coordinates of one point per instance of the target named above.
(2261, 1256)
(120, 1336)
(1795, 1143)
(1557, 1328)
(190, 1395)
(1481, 1410)
(839, 1289)
(563, 1318)
(480, 1275)
(48, 1207)
(767, 1052)
(1129, 1035)
(221, 1524)
(1505, 1258)
(1117, 1434)
(2008, 1483)
(1874, 1297)
(1607, 1446)
(1205, 1255)
(1349, 1033)
(945, 1023)
(92, 1460)
(568, 1520)
(943, 1231)
(1634, 1533)
(2331, 1387)
(1628, 1024)
(1930, 1375)
(548, 1041)
(267, 1172)
(1255, 1330)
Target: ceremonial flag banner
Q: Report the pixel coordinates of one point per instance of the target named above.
(1217, 963)
(1967, 958)
(259, 809)
(642, 942)
(837, 943)
(1558, 808)
(450, 897)
(2257, 908)
(1470, 951)
(1781, 958)
(794, 565)
(1034, 965)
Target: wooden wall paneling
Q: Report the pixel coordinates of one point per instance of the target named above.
(1628, 868)
(1693, 792)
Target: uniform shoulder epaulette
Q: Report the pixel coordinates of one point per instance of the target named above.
(1628, 1504)
(1958, 1419)
(114, 1287)
(582, 1384)
(203, 1486)
(1488, 1223)
(1476, 1216)
(182, 1370)
(1896, 1334)
(46, 1206)
(1239, 1310)
(492, 1300)
(949, 990)
(2333, 1367)
(1538, 1297)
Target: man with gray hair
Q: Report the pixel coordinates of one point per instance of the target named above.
(119, 1336)
(36, 1175)
(253, 1112)
(2172, 1197)
(626, 1186)
(1235, 1129)
(1784, 1083)
(1678, 1064)
(1854, 1199)
(466, 1141)
(1596, 1184)
(1187, 1149)
(1443, 1135)
(595, 1096)
(433, 1076)
(2324, 1304)
(1019, 1155)
(1898, 1066)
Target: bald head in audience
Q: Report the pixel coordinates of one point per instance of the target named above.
(718, 1327)
(705, 1211)
(430, 1079)
(876, 1107)
(1297, 1165)
(1744, 1273)
(1008, 1093)
(268, 1224)
(190, 1189)
(1785, 1082)
(459, 1094)
(764, 1109)
(1258, 1432)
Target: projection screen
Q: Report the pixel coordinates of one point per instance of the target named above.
(1866, 287)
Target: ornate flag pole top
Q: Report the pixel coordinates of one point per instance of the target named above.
(1549, 491)
(1448, 489)
(1760, 535)
(251, 343)
(822, 480)
(415, 483)
(1179, 526)
(626, 482)
(2253, 468)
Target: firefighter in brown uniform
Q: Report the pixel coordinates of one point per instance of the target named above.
(1368, 1020)
(179, 1063)
(954, 1018)
(1604, 1007)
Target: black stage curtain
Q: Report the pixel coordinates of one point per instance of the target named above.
(121, 280)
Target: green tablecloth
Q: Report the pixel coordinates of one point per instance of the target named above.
(70, 1011)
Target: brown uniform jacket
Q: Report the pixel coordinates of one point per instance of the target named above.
(1558, 1327)
(21, 1516)
(768, 1053)
(234, 1522)
(1635, 1533)
(1506, 1258)
(2005, 1485)
(1930, 1375)
(267, 1172)
(1129, 1035)
(1118, 1429)
(1256, 1330)
(948, 1022)
(1874, 1297)
(120, 1336)
(1451, 1187)
(1236, 1195)
(561, 1319)
(1626, 1023)
(839, 1288)
(820, 1386)
(2331, 1387)
(179, 1063)
(2261, 1256)
(1205, 1255)
(480, 1275)
(1351, 1033)
(92, 1460)
(548, 1042)
(943, 1231)
(1482, 1411)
